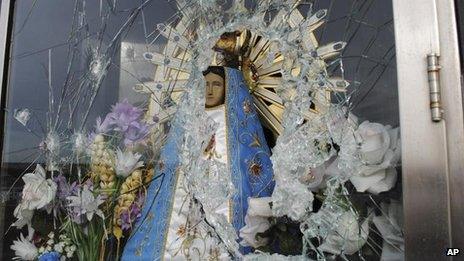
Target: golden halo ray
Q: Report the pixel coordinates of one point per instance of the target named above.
(261, 64)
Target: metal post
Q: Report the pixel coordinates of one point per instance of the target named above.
(452, 101)
(5, 13)
(5, 35)
(424, 147)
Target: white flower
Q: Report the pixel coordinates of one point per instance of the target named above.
(24, 248)
(379, 147)
(256, 221)
(127, 162)
(379, 152)
(37, 193)
(348, 237)
(59, 247)
(380, 181)
(374, 141)
(87, 203)
(23, 216)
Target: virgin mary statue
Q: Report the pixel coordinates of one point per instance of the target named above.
(168, 228)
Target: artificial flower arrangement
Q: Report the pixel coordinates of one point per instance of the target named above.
(95, 203)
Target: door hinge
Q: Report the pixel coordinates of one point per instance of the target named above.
(433, 71)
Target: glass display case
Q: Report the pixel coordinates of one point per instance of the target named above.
(347, 122)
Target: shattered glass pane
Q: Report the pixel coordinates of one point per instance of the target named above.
(322, 75)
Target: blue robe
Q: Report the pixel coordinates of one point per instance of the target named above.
(249, 164)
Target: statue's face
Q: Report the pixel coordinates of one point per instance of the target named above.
(215, 90)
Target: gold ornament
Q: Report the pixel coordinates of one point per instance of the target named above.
(259, 58)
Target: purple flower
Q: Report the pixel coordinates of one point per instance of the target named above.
(64, 188)
(123, 114)
(126, 221)
(134, 212)
(136, 132)
(127, 120)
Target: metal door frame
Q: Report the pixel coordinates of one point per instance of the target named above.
(432, 152)
(6, 24)
(453, 105)
(5, 36)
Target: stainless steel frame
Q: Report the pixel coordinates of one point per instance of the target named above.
(4, 23)
(432, 152)
(5, 13)
(453, 105)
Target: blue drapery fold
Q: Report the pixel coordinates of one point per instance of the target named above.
(249, 164)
